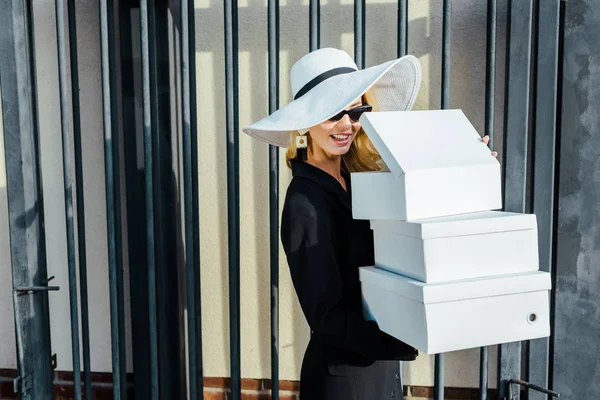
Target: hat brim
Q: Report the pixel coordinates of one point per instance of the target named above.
(391, 86)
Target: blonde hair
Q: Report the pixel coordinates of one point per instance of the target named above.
(361, 157)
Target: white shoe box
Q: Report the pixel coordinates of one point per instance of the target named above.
(443, 317)
(438, 165)
(467, 246)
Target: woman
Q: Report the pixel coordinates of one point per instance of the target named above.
(348, 357)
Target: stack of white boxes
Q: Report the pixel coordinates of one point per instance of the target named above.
(450, 273)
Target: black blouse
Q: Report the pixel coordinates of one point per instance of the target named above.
(325, 247)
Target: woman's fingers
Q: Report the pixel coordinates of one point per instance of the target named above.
(486, 140)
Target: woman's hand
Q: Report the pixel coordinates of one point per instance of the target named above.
(486, 140)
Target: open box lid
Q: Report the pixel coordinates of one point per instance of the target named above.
(429, 293)
(416, 140)
(476, 223)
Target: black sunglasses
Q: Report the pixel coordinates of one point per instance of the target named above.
(354, 113)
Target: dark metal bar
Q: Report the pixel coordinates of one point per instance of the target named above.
(554, 358)
(544, 167)
(25, 198)
(116, 270)
(163, 194)
(191, 277)
(68, 192)
(490, 71)
(446, 39)
(148, 173)
(402, 27)
(359, 32)
(233, 184)
(490, 81)
(535, 388)
(315, 25)
(135, 197)
(107, 86)
(517, 104)
(166, 200)
(116, 159)
(273, 43)
(446, 58)
(483, 373)
(509, 365)
(438, 387)
(34, 289)
(195, 199)
(515, 142)
(83, 291)
(169, 325)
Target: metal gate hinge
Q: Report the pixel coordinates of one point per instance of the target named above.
(54, 361)
(22, 385)
(528, 385)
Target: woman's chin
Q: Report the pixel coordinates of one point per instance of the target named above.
(339, 150)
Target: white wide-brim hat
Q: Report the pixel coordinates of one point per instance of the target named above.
(326, 81)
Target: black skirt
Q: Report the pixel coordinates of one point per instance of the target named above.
(322, 381)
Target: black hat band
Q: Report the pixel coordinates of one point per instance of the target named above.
(320, 78)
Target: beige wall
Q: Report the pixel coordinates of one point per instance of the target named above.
(467, 92)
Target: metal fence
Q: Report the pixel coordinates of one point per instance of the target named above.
(530, 126)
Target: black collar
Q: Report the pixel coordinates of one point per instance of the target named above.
(323, 179)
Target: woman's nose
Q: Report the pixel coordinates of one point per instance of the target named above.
(346, 120)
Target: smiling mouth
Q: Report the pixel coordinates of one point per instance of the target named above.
(341, 138)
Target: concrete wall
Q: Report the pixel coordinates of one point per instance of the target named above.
(578, 233)
(425, 27)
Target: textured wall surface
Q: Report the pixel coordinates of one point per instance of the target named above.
(577, 327)
(425, 30)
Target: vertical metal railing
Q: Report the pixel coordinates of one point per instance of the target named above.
(360, 8)
(517, 105)
(273, 60)
(149, 120)
(135, 197)
(113, 200)
(233, 185)
(81, 242)
(445, 102)
(490, 70)
(190, 201)
(195, 199)
(114, 103)
(314, 25)
(402, 50)
(196, 307)
(402, 27)
(446, 56)
(544, 161)
(68, 191)
(516, 126)
(164, 73)
(490, 91)
(25, 200)
(187, 199)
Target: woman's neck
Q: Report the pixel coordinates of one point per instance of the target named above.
(330, 164)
